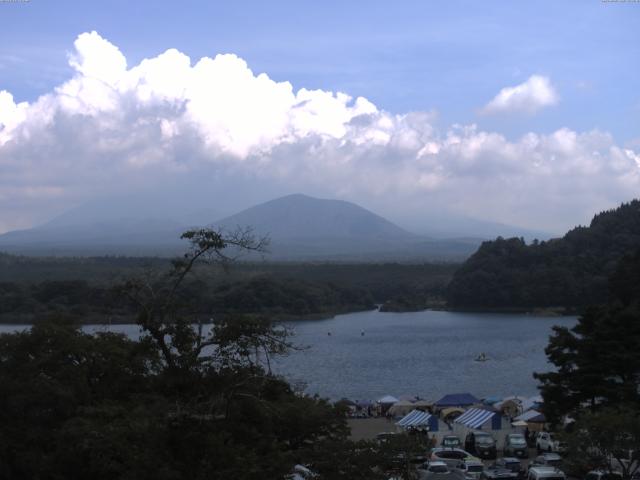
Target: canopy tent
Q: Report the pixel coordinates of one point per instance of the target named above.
(533, 402)
(407, 398)
(401, 408)
(511, 406)
(418, 418)
(527, 416)
(519, 423)
(457, 400)
(474, 417)
(387, 400)
(423, 404)
(414, 418)
(540, 418)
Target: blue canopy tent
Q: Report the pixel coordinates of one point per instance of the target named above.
(477, 417)
(457, 400)
(418, 418)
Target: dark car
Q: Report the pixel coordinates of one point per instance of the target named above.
(515, 445)
(494, 473)
(481, 444)
(509, 463)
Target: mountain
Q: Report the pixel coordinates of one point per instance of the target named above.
(302, 217)
(303, 227)
(300, 228)
(569, 272)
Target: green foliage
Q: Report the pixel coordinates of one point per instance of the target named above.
(182, 402)
(569, 272)
(598, 360)
(607, 440)
(62, 287)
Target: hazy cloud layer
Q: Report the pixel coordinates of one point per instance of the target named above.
(115, 128)
(528, 97)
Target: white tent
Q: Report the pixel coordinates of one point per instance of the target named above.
(388, 400)
(532, 402)
(526, 416)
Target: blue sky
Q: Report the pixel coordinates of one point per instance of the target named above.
(570, 70)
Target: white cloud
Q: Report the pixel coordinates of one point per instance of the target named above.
(112, 129)
(528, 97)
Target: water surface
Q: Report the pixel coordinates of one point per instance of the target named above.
(423, 353)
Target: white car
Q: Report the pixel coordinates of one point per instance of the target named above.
(471, 469)
(434, 470)
(546, 442)
(545, 473)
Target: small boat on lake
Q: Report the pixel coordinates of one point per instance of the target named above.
(481, 358)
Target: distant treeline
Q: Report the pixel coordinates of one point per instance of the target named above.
(86, 288)
(570, 272)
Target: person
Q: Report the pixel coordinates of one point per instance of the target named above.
(526, 435)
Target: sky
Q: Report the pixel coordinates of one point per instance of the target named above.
(525, 113)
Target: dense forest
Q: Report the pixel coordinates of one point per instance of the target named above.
(177, 403)
(87, 288)
(570, 272)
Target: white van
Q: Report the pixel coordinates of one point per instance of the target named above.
(545, 473)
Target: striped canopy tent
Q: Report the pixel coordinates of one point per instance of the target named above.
(474, 417)
(418, 418)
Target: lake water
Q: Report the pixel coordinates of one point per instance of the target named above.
(423, 353)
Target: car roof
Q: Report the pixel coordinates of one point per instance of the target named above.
(438, 463)
(544, 469)
(551, 455)
(511, 459)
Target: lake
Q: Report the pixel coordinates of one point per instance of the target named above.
(426, 353)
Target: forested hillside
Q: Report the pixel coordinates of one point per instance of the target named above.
(569, 272)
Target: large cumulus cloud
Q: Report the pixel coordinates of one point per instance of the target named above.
(114, 127)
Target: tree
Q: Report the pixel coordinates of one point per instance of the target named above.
(598, 360)
(164, 312)
(606, 440)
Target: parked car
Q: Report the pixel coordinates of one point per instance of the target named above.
(510, 463)
(451, 456)
(515, 445)
(600, 475)
(495, 473)
(451, 441)
(548, 459)
(470, 469)
(481, 444)
(434, 470)
(542, 472)
(547, 442)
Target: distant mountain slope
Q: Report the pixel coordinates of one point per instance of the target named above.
(301, 228)
(301, 217)
(570, 272)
